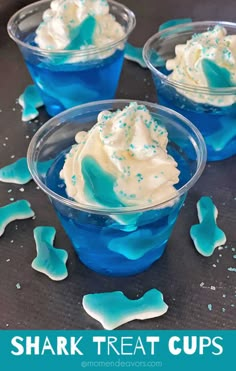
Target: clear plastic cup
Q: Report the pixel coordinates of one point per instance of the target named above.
(216, 123)
(102, 242)
(67, 78)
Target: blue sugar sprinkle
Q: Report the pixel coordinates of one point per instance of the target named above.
(49, 260)
(18, 210)
(210, 307)
(17, 172)
(73, 178)
(207, 235)
(112, 309)
(30, 100)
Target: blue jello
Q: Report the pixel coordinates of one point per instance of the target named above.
(103, 243)
(64, 84)
(217, 124)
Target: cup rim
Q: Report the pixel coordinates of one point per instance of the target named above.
(174, 83)
(55, 122)
(62, 52)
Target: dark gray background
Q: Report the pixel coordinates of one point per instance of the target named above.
(44, 304)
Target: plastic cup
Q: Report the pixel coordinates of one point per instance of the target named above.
(67, 78)
(216, 123)
(101, 238)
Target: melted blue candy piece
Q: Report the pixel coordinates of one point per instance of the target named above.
(174, 22)
(17, 210)
(79, 36)
(217, 77)
(83, 34)
(112, 309)
(50, 260)
(224, 135)
(30, 100)
(135, 54)
(134, 245)
(207, 235)
(17, 172)
(96, 178)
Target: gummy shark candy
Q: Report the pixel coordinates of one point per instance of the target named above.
(30, 100)
(135, 54)
(16, 210)
(17, 172)
(49, 260)
(112, 309)
(207, 235)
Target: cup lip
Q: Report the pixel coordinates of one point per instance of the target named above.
(174, 83)
(63, 52)
(55, 121)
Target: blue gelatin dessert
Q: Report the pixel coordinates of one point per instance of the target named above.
(118, 188)
(194, 71)
(74, 50)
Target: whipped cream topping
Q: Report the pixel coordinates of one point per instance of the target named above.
(78, 25)
(129, 148)
(207, 60)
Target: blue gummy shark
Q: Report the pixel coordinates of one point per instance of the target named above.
(17, 172)
(207, 235)
(14, 211)
(112, 309)
(30, 100)
(49, 260)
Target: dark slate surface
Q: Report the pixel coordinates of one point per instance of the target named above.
(44, 304)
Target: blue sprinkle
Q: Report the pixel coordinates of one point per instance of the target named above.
(210, 307)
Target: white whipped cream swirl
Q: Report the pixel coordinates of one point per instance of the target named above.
(64, 16)
(132, 147)
(187, 66)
